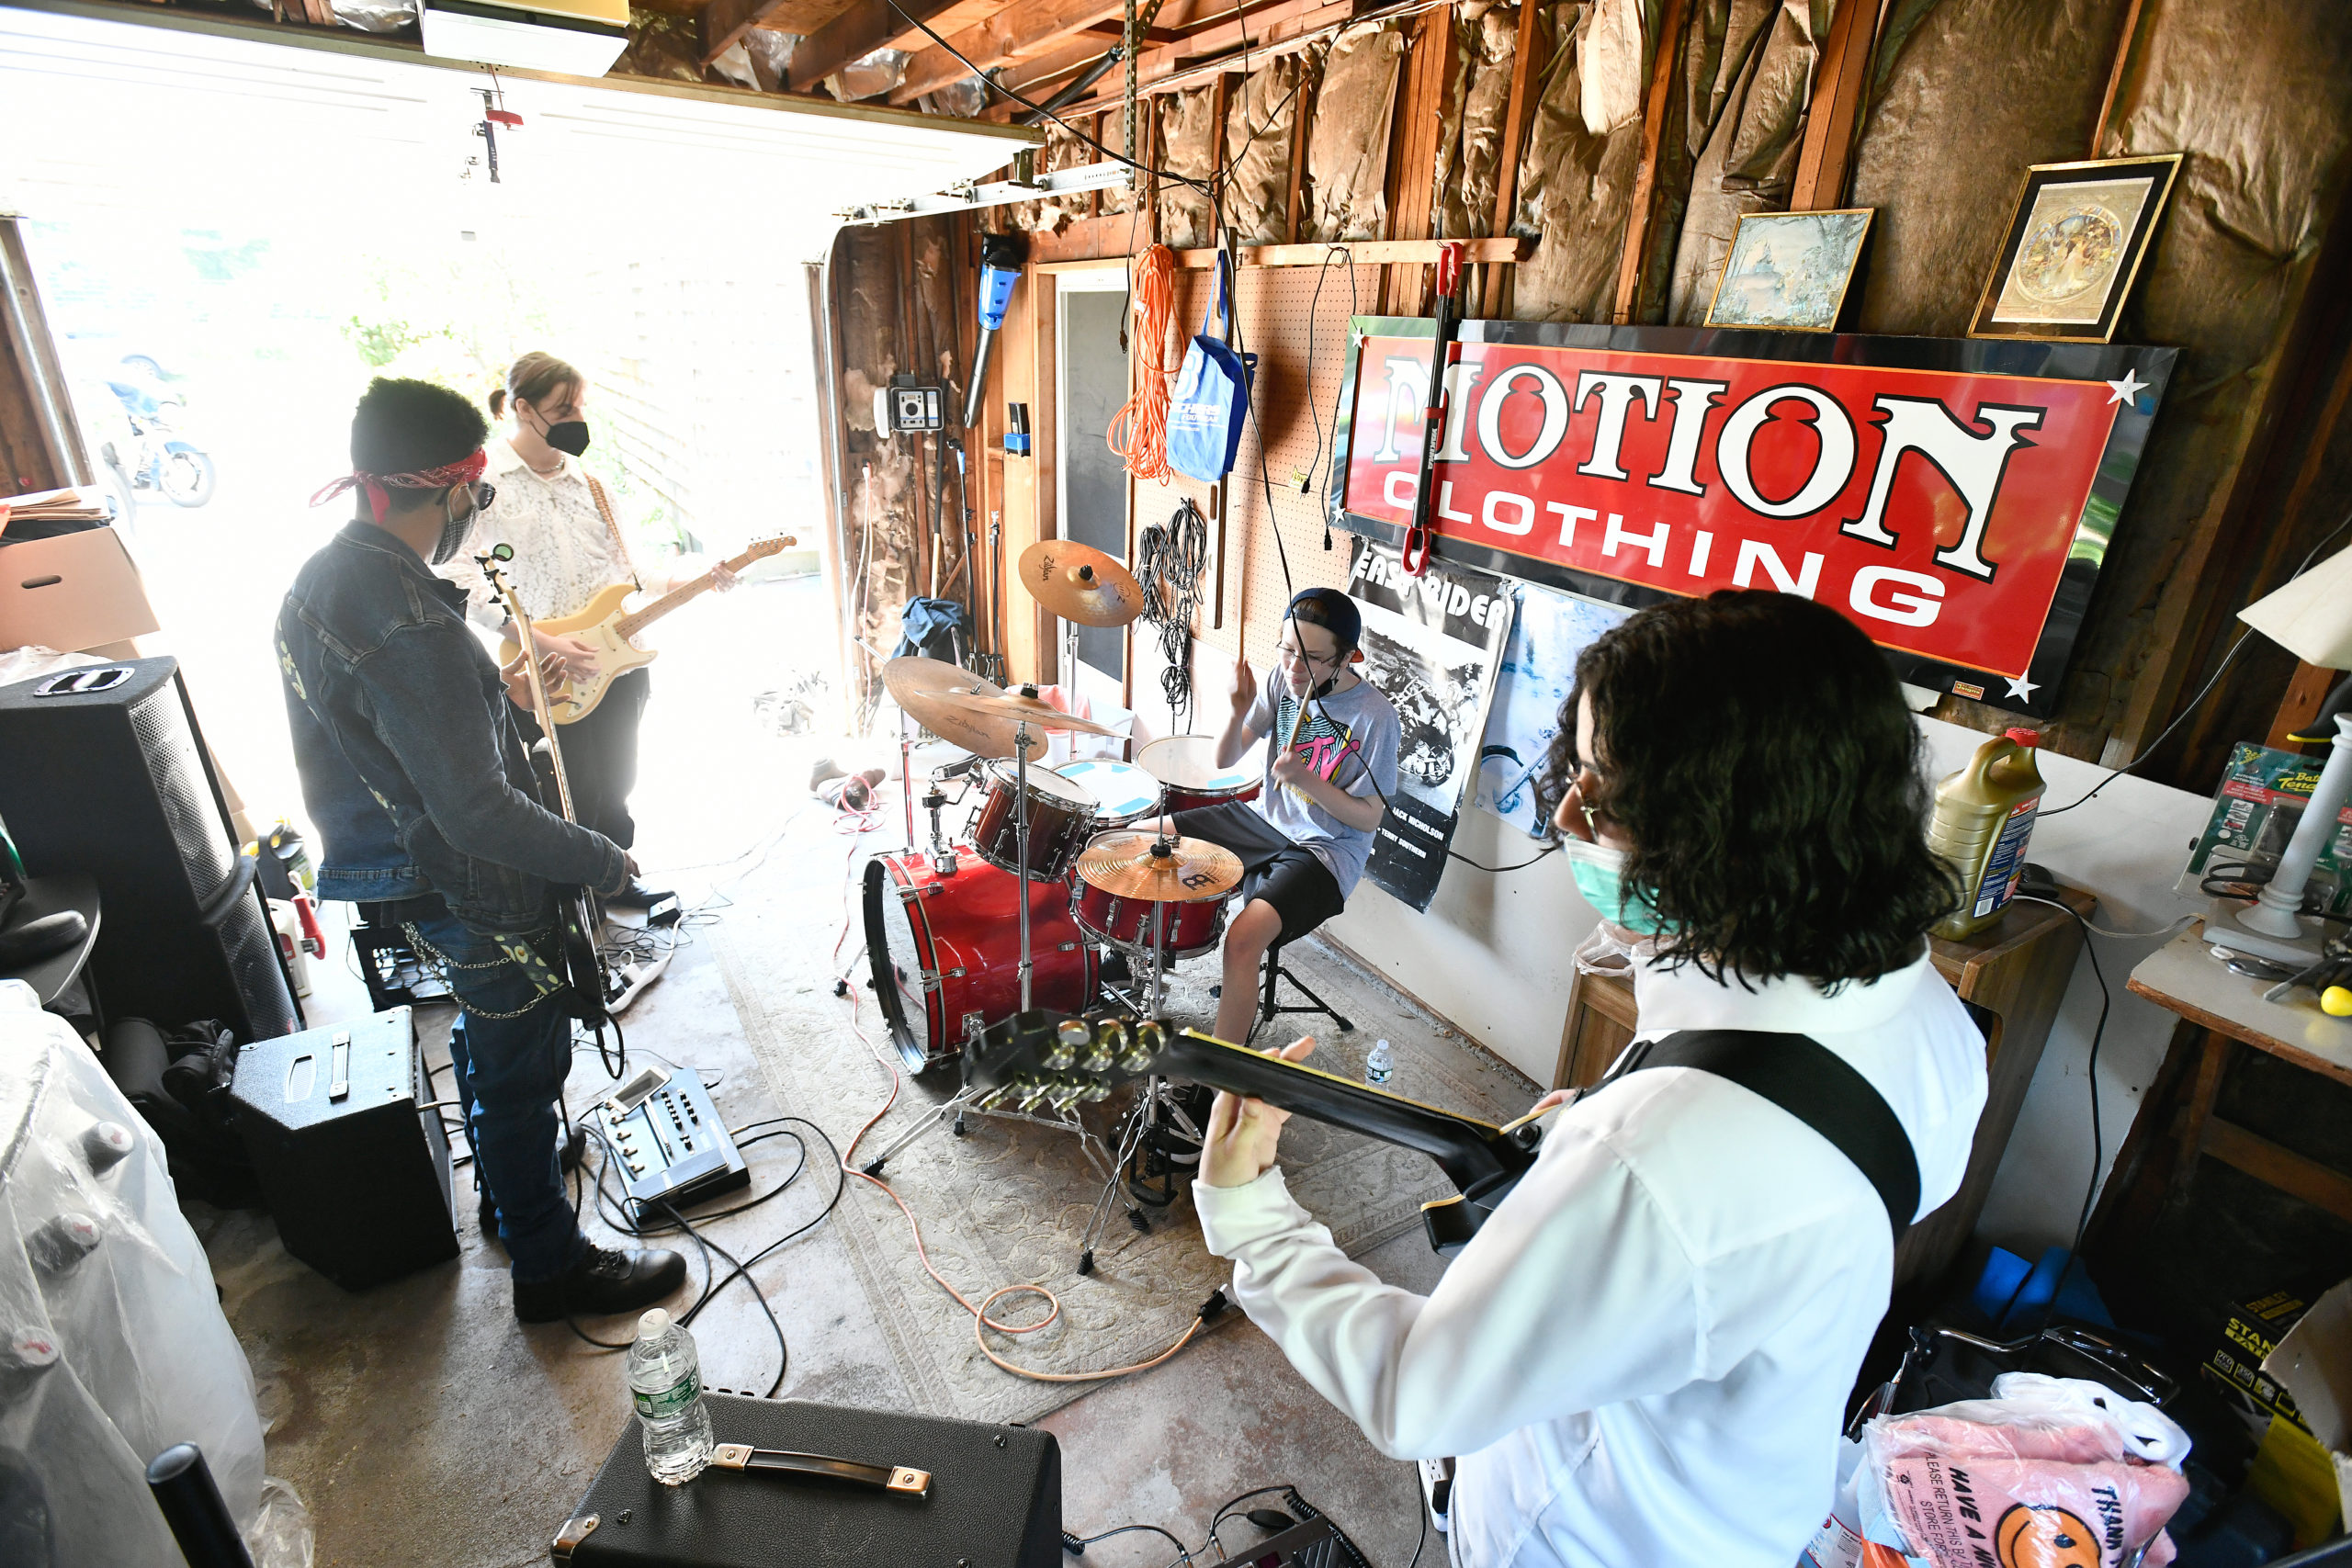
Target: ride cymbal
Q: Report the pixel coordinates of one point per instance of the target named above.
(1079, 583)
(919, 684)
(1161, 871)
(1008, 708)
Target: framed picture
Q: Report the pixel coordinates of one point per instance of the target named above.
(1788, 271)
(2074, 246)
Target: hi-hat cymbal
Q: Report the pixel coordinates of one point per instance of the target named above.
(1079, 583)
(1010, 708)
(919, 684)
(1126, 865)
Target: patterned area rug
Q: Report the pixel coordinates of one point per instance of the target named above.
(1008, 1202)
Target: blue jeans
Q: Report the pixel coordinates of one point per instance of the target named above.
(511, 1048)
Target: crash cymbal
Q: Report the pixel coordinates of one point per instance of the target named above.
(1008, 708)
(1079, 583)
(919, 684)
(1131, 866)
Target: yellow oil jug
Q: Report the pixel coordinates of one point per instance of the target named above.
(1984, 816)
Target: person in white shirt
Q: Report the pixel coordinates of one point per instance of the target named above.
(568, 549)
(1643, 1359)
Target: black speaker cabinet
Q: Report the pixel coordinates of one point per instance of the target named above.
(994, 1501)
(103, 770)
(356, 1172)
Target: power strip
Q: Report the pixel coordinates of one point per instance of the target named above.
(673, 1145)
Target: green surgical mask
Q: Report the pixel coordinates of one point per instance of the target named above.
(1600, 872)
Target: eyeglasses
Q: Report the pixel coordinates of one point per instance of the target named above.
(1290, 654)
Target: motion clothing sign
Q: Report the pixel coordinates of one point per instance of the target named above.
(1953, 499)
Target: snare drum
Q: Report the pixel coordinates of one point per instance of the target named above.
(1126, 923)
(1122, 792)
(1061, 819)
(1187, 765)
(945, 951)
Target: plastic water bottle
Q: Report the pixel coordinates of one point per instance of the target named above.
(665, 1378)
(1378, 1065)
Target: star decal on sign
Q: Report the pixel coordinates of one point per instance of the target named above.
(2023, 686)
(2126, 390)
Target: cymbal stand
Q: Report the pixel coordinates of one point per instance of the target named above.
(1143, 1117)
(1021, 804)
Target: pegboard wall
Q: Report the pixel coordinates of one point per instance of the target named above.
(1279, 316)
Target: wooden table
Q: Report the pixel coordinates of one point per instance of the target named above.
(2012, 974)
(2222, 1013)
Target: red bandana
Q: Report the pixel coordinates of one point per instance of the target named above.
(464, 471)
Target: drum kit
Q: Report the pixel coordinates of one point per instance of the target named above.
(1057, 866)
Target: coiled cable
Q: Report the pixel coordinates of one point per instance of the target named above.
(1170, 559)
(1138, 432)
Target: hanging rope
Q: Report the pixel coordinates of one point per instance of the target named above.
(1170, 558)
(1138, 432)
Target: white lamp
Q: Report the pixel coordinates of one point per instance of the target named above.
(2311, 618)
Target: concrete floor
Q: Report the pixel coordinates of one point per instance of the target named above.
(423, 1426)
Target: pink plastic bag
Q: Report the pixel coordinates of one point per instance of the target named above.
(2055, 1474)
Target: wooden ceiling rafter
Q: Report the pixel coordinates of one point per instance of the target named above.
(866, 26)
(1024, 29)
(1212, 50)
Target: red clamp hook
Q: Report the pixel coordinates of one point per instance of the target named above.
(1413, 554)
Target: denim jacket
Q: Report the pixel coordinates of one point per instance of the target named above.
(412, 765)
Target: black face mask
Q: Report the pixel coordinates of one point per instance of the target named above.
(568, 435)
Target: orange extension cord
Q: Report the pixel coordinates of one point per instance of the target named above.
(1138, 432)
(981, 1319)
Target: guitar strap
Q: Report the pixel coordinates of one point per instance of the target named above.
(1812, 1084)
(612, 529)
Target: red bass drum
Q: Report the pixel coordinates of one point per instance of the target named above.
(945, 951)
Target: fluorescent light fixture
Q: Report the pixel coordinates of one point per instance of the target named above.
(577, 38)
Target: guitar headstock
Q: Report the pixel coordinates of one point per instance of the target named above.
(1060, 1060)
(762, 549)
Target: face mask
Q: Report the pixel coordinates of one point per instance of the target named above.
(455, 526)
(1600, 872)
(569, 435)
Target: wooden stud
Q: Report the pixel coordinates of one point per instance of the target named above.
(2126, 40)
(1655, 114)
(1526, 76)
(1418, 118)
(1303, 115)
(2305, 691)
(1840, 81)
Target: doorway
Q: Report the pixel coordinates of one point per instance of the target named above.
(1090, 374)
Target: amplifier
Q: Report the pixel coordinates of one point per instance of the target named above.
(351, 1159)
(994, 1498)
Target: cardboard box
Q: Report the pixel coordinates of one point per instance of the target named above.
(2313, 1365)
(74, 592)
(2236, 1367)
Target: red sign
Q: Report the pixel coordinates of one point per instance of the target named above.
(1937, 508)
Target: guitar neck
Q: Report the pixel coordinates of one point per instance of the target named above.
(1466, 1149)
(541, 708)
(628, 626)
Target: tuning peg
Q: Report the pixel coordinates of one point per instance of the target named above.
(1070, 1094)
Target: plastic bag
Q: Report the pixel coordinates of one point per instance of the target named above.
(2050, 1473)
(279, 1536)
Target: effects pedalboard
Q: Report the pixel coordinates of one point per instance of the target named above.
(672, 1144)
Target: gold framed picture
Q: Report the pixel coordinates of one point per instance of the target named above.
(2074, 248)
(1788, 271)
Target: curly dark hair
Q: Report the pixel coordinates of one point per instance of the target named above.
(401, 425)
(1755, 748)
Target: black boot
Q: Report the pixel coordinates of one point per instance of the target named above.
(636, 895)
(602, 1283)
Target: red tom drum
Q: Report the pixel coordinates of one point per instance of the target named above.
(1126, 923)
(945, 951)
(1187, 765)
(1061, 819)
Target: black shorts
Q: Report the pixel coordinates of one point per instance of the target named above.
(1285, 874)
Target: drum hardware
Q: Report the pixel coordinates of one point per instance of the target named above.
(943, 854)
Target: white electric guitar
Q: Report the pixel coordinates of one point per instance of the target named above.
(611, 631)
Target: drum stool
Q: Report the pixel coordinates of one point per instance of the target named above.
(1270, 1003)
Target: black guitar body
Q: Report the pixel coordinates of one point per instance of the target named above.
(576, 917)
(1060, 1059)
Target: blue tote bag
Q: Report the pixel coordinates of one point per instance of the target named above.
(1211, 402)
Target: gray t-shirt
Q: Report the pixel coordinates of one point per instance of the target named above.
(1350, 737)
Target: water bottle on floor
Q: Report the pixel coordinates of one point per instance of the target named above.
(1378, 1065)
(665, 1380)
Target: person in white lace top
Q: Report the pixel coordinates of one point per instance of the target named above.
(568, 547)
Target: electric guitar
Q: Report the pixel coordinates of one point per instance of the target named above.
(583, 962)
(1061, 1059)
(607, 629)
